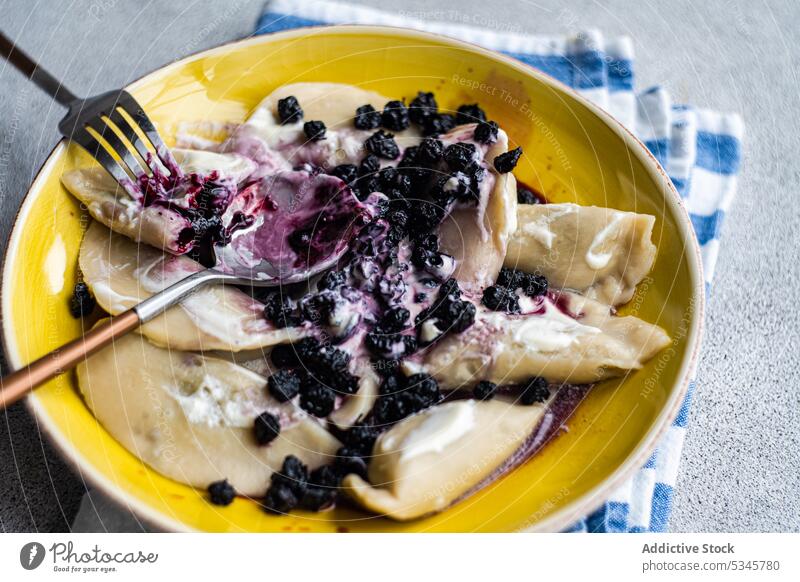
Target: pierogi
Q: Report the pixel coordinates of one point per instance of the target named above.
(449, 328)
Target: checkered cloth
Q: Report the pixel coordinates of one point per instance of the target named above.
(700, 150)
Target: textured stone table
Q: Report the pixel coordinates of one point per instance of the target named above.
(741, 465)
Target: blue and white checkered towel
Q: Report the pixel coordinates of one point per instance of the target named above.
(700, 150)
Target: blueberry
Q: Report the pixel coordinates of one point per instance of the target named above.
(283, 385)
(314, 130)
(289, 110)
(422, 107)
(506, 162)
(486, 132)
(317, 498)
(293, 474)
(420, 297)
(534, 391)
(390, 347)
(367, 118)
(430, 151)
(459, 155)
(534, 285)
(266, 428)
(344, 382)
(81, 303)
(347, 173)
(279, 499)
(382, 144)
(325, 476)
(395, 116)
(284, 356)
(369, 165)
(499, 298)
(392, 408)
(428, 242)
(348, 461)
(280, 310)
(510, 278)
(361, 438)
(438, 124)
(221, 492)
(426, 216)
(526, 196)
(424, 389)
(470, 114)
(331, 280)
(464, 317)
(450, 289)
(317, 399)
(484, 390)
(394, 320)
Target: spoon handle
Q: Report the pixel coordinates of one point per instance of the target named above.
(19, 383)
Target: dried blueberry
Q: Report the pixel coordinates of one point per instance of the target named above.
(422, 107)
(425, 216)
(289, 110)
(347, 173)
(279, 499)
(314, 130)
(506, 162)
(369, 165)
(470, 114)
(423, 389)
(344, 382)
(284, 356)
(81, 303)
(317, 498)
(395, 116)
(534, 391)
(431, 150)
(459, 155)
(438, 124)
(534, 285)
(390, 347)
(486, 132)
(367, 117)
(484, 390)
(266, 428)
(382, 144)
(325, 476)
(394, 320)
(510, 278)
(349, 461)
(361, 438)
(499, 298)
(280, 311)
(526, 196)
(283, 385)
(221, 492)
(316, 398)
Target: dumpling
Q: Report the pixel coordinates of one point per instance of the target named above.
(158, 225)
(190, 417)
(478, 238)
(121, 274)
(599, 252)
(431, 459)
(574, 339)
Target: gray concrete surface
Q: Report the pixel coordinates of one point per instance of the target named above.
(741, 465)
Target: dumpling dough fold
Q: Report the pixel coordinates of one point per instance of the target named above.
(122, 273)
(599, 252)
(429, 460)
(190, 417)
(593, 346)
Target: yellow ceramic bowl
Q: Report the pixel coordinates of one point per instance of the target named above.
(573, 153)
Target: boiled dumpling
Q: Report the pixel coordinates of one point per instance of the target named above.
(156, 225)
(429, 460)
(599, 252)
(478, 238)
(190, 417)
(585, 344)
(121, 274)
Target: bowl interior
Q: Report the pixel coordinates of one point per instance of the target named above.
(572, 154)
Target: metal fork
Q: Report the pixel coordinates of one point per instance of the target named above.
(114, 116)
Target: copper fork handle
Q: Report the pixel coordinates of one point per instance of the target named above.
(19, 383)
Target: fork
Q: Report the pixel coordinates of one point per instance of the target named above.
(114, 117)
(107, 116)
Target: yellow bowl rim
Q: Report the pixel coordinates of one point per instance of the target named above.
(558, 520)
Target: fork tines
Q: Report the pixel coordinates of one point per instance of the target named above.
(115, 117)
